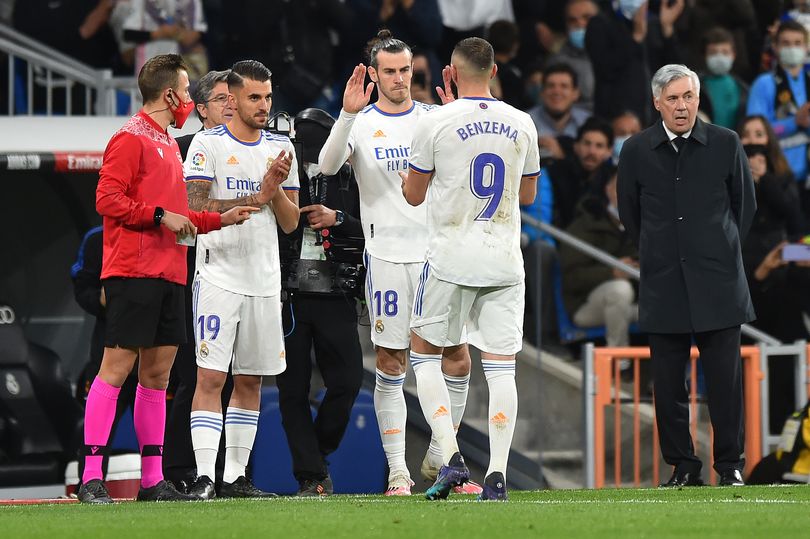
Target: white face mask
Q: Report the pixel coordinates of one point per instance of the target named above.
(792, 56)
(719, 64)
(630, 7)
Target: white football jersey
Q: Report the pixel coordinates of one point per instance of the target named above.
(480, 150)
(242, 259)
(380, 147)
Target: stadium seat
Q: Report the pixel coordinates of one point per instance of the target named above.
(568, 331)
(41, 418)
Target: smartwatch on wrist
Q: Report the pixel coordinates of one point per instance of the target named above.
(158, 215)
(339, 217)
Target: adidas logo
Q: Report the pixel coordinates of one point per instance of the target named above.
(499, 420)
(232, 160)
(378, 133)
(442, 411)
(391, 431)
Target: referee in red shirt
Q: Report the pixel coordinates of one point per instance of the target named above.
(142, 198)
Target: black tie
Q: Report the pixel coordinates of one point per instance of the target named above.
(679, 142)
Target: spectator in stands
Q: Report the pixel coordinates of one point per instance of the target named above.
(723, 94)
(556, 117)
(504, 36)
(422, 80)
(165, 27)
(781, 97)
(532, 85)
(623, 54)
(572, 178)
(596, 294)
(293, 39)
(778, 289)
(573, 53)
(625, 125)
(800, 12)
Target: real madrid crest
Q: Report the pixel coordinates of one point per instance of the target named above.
(378, 326)
(203, 350)
(269, 161)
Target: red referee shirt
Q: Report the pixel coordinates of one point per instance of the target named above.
(142, 170)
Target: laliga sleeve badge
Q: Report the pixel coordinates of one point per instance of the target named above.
(379, 327)
(203, 350)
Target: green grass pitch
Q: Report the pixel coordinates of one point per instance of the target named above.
(708, 512)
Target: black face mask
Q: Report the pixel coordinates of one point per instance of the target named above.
(755, 149)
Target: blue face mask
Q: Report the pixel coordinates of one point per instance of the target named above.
(577, 38)
(628, 8)
(618, 142)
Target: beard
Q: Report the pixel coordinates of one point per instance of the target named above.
(252, 121)
(395, 98)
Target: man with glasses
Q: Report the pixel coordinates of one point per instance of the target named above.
(211, 105)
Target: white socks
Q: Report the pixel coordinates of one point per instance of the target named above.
(206, 430)
(435, 401)
(503, 403)
(240, 432)
(457, 387)
(392, 415)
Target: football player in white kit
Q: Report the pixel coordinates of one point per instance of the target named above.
(480, 158)
(237, 303)
(376, 139)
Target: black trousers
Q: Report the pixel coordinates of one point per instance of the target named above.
(330, 325)
(722, 369)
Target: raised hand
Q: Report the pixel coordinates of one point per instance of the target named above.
(356, 96)
(669, 14)
(446, 93)
(276, 173)
(640, 23)
(237, 215)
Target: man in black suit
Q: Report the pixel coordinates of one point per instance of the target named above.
(686, 194)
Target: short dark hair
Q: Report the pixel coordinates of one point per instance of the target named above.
(503, 35)
(561, 68)
(594, 123)
(477, 52)
(386, 42)
(247, 69)
(158, 73)
(789, 25)
(716, 36)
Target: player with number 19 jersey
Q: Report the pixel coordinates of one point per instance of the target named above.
(242, 259)
(480, 149)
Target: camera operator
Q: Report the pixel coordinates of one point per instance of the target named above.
(326, 318)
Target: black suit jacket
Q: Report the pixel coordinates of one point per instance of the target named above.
(689, 213)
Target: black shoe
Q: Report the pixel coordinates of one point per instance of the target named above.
(202, 488)
(163, 492)
(494, 488)
(94, 491)
(315, 487)
(683, 479)
(731, 478)
(243, 488)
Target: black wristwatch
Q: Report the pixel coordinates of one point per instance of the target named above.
(158, 215)
(339, 217)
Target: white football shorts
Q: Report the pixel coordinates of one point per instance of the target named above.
(233, 327)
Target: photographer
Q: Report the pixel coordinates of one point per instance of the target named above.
(325, 318)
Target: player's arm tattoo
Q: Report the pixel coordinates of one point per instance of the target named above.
(198, 198)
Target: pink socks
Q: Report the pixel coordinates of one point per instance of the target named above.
(150, 423)
(98, 419)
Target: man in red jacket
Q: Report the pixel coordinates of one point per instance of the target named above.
(142, 198)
